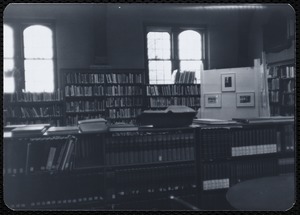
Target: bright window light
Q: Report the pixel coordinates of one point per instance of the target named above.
(8, 60)
(38, 54)
(190, 54)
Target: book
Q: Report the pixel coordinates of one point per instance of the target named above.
(122, 127)
(214, 121)
(259, 120)
(11, 127)
(92, 125)
(50, 158)
(29, 130)
(65, 130)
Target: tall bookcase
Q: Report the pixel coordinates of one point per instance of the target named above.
(113, 94)
(281, 84)
(32, 108)
(161, 96)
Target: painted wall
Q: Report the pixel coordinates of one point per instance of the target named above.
(246, 81)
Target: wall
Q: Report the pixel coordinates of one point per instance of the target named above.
(246, 81)
(125, 33)
(79, 30)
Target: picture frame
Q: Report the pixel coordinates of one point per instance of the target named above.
(213, 100)
(245, 99)
(228, 82)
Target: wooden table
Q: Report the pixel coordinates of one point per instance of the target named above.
(269, 193)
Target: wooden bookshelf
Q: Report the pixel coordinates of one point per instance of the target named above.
(113, 94)
(162, 96)
(281, 85)
(33, 108)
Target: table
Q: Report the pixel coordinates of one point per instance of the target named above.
(269, 193)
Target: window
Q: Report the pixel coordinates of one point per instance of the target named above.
(174, 50)
(29, 57)
(8, 61)
(38, 59)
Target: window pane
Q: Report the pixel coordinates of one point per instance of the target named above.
(160, 72)
(8, 61)
(38, 42)
(8, 42)
(8, 84)
(195, 66)
(189, 45)
(159, 45)
(39, 75)
(8, 65)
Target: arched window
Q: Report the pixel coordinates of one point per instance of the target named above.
(38, 59)
(190, 52)
(174, 50)
(8, 60)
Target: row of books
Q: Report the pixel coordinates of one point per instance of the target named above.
(286, 165)
(274, 84)
(28, 112)
(288, 138)
(163, 180)
(73, 90)
(149, 149)
(86, 78)
(124, 113)
(34, 97)
(166, 101)
(58, 203)
(58, 156)
(255, 141)
(222, 144)
(185, 77)
(85, 106)
(274, 96)
(289, 87)
(288, 99)
(124, 90)
(124, 78)
(282, 71)
(124, 102)
(173, 90)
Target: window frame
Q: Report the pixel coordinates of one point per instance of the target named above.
(174, 30)
(18, 26)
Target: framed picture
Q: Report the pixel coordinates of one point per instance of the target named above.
(228, 82)
(245, 99)
(212, 100)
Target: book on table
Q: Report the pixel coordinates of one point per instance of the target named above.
(92, 125)
(62, 130)
(213, 121)
(29, 130)
(258, 120)
(118, 127)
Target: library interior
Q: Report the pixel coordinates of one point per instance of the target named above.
(116, 106)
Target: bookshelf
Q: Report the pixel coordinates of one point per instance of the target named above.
(113, 94)
(162, 96)
(33, 108)
(235, 153)
(117, 169)
(281, 84)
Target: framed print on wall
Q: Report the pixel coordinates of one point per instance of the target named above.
(245, 99)
(228, 82)
(212, 100)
